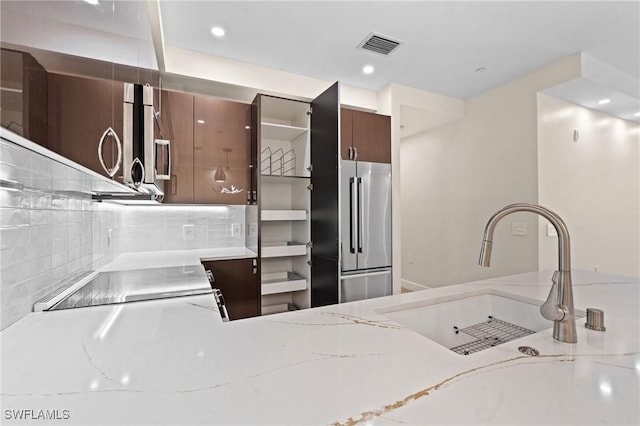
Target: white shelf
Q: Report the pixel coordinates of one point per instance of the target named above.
(283, 249)
(282, 282)
(284, 180)
(274, 215)
(281, 131)
(278, 309)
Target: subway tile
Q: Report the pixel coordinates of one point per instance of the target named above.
(75, 240)
(10, 217)
(40, 217)
(60, 244)
(59, 258)
(18, 236)
(13, 255)
(59, 203)
(75, 229)
(40, 200)
(41, 233)
(60, 229)
(17, 199)
(13, 154)
(75, 216)
(60, 217)
(40, 183)
(40, 249)
(41, 165)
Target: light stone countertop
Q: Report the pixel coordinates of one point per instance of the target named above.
(174, 362)
(170, 258)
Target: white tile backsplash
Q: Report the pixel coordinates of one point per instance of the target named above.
(51, 231)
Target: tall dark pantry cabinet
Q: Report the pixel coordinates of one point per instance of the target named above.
(296, 155)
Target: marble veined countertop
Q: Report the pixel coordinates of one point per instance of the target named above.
(170, 258)
(174, 362)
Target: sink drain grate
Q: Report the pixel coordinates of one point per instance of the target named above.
(488, 334)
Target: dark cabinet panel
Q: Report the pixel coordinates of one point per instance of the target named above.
(324, 281)
(24, 96)
(324, 197)
(346, 133)
(177, 125)
(80, 110)
(222, 139)
(238, 279)
(368, 134)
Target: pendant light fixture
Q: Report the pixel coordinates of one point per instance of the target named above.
(220, 175)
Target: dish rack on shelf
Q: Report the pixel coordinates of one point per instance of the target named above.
(278, 162)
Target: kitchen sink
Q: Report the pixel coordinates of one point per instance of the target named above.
(472, 321)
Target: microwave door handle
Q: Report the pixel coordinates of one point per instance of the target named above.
(352, 214)
(166, 143)
(360, 214)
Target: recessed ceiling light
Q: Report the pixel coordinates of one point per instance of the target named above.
(92, 2)
(604, 101)
(368, 69)
(637, 114)
(217, 31)
(200, 121)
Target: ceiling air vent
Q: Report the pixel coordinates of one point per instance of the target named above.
(379, 44)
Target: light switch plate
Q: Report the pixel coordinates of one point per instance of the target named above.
(188, 232)
(519, 229)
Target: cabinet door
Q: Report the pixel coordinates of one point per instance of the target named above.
(372, 137)
(324, 197)
(346, 133)
(80, 110)
(238, 279)
(222, 137)
(177, 125)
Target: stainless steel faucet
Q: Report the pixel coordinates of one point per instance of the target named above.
(559, 304)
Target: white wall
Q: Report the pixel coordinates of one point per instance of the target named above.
(594, 184)
(454, 177)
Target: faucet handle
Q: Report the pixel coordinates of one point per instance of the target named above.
(551, 309)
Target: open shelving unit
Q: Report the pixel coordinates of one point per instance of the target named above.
(285, 203)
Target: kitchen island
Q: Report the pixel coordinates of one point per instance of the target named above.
(174, 361)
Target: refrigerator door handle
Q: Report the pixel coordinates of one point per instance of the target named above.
(360, 214)
(352, 214)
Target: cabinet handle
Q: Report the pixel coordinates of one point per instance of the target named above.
(174, 184)
(352, 214)
(111, 172)
(355, 153)
(137, 172)
(350, 153)
(361, 214)
(167, 144)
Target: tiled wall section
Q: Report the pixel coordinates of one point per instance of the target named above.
(152, 228)
(49, 231)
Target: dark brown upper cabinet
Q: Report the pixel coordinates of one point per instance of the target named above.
(24, 95)
(365, 136)
(222, 139)
(80, 110)
(176, 116)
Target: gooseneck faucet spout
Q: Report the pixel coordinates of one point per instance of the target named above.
(559, 304)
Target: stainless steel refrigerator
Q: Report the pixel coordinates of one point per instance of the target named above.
(366, 230)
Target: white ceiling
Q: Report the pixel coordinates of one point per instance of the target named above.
(443, 42)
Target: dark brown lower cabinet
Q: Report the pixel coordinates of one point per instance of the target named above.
(239, 281)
